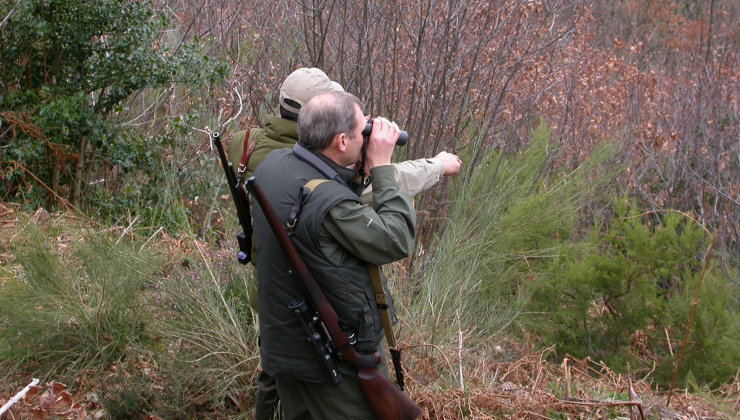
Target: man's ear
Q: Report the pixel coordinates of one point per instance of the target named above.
(341, 140)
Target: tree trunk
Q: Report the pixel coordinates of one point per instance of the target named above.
(79, 172)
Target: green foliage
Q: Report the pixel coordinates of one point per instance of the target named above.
(65, 314)
(215, 329)
(156, 199)
(618, 294)
(507, 221)
(68, 67)
(163, 175)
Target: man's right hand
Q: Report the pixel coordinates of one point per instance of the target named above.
(451, 161)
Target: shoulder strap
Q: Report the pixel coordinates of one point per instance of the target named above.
(382, 301)
(312, 184)
(313, 160)
(303, 194)
(247, 150)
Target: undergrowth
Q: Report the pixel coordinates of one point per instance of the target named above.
(625, 295)
(213, 330)
(77, 309)
(512, 216)
(198, 356)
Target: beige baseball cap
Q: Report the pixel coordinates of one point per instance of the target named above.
(304, 83)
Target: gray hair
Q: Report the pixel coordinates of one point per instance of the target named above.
(324, 116)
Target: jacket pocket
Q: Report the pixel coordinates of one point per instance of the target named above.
(369, 331)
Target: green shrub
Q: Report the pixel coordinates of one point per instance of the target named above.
(620, 295)
(69, 70)
(507, 221)
(66, 313)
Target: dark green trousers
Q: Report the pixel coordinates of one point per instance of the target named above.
(308, 400)
(267, 398)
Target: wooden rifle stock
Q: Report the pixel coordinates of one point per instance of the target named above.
(241, 201)
(387, 401)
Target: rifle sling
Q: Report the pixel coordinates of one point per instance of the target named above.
(247, 149)
(382, 301)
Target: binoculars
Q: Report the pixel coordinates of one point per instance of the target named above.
(402, 140)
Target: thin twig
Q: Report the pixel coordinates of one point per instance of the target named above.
(566, 373)
(452, 370)
(144, 112)
(401, 320)
(602, 403)
(26, 170)
(532, 413)
(151, 237)
(127, 230)
(207, 132)
(634, 397)
(241, 106)
(668, 337)
(694, 304)
(673, 211)
(649, 373)
(5, 20)
(459, 351)
(18, 396)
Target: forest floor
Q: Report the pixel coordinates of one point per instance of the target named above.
(527, 385)
(529, 388)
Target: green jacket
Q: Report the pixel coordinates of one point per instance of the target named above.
(278, 133)
(337, 236)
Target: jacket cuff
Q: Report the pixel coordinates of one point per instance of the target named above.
(439, 166)
(383, 175)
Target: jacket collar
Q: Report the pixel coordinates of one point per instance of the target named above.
(282, 130)
(326, 166)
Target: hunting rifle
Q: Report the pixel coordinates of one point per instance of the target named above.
(239, 195)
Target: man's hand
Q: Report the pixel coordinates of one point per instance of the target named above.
(451, 161)
(382, 141)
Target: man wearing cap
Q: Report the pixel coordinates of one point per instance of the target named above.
(340, 240)
(413, 176)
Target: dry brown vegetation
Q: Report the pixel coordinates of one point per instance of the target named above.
(502, 379)
(527, 387)
(659, 78)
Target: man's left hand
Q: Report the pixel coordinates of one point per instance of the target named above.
(382, 141)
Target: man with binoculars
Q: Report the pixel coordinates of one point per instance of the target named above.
(340, 239)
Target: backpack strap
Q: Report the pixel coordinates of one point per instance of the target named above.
(303, 194)
(247, 149)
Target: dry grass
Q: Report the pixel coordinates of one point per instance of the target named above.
(527, 388)
(504, 379)
(533, 388)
